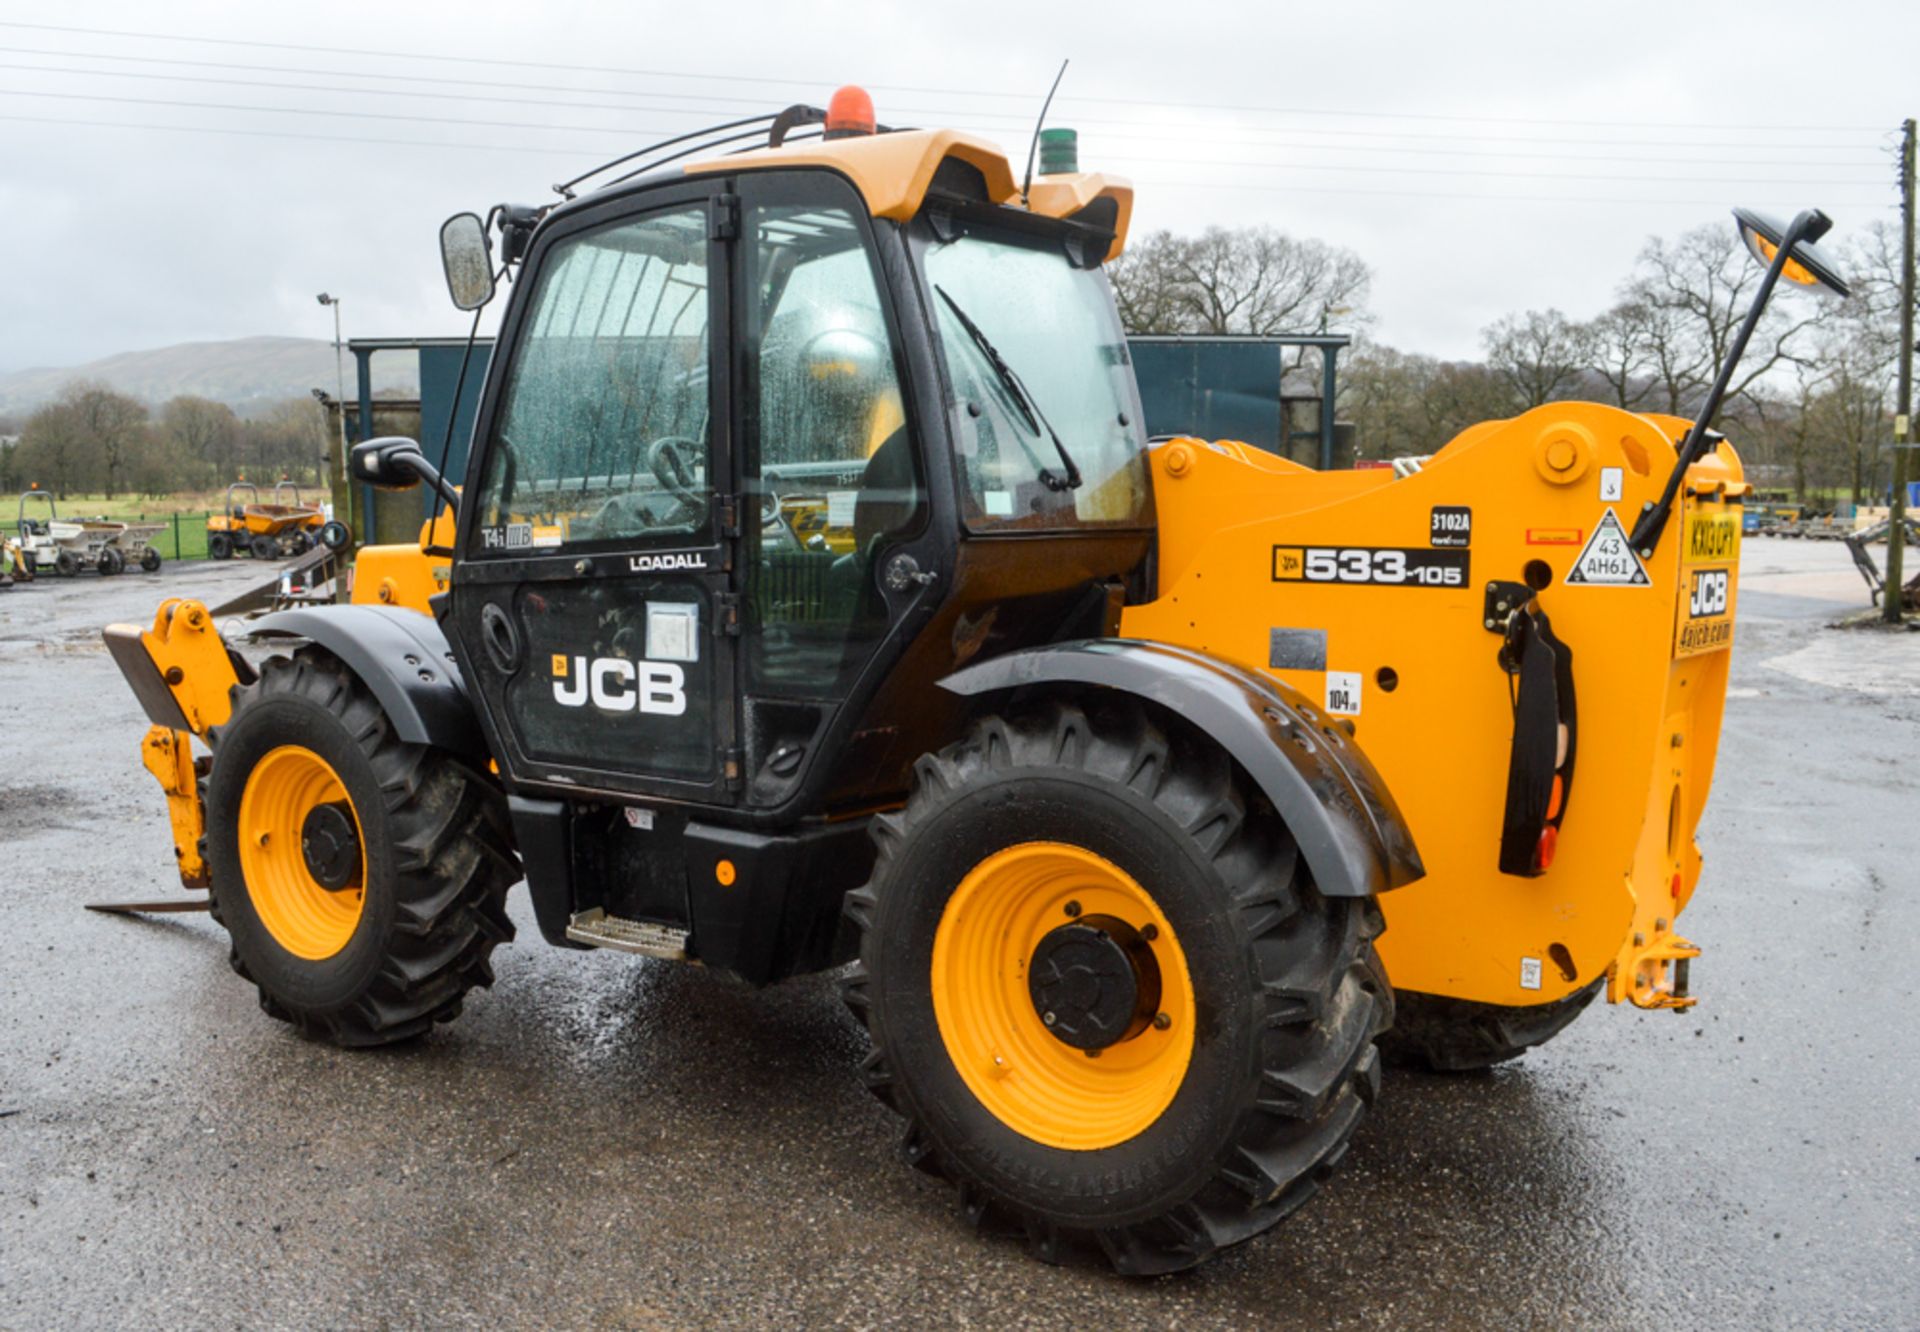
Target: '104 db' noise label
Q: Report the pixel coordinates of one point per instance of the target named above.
(1378, 566)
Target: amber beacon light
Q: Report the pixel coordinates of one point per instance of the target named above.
(849, 113)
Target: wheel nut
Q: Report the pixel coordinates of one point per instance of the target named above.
(1047, 1018)
(1149, 931)
(1073, 908)
(1161, 1022)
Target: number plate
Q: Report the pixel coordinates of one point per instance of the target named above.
(1376, 566)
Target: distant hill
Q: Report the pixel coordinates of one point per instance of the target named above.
(245, 373)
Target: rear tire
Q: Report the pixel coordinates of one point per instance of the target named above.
(112, 562)
(66, 564)
(1445, 1035)
(219, 546)
(150, 560)
(1280, 1065)
(428, 904)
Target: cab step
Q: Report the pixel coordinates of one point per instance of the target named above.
(599, 930)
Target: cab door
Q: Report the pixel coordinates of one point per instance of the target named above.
(593, 600)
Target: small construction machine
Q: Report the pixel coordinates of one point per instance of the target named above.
(265, 531)
(71, 545)
(815, 597)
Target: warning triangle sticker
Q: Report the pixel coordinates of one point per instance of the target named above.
(1608, 560)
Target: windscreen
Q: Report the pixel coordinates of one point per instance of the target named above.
(1045, 358)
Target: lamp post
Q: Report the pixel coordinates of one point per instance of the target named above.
(340, 389)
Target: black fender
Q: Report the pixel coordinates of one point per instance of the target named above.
(403, 657)
(1324, 788)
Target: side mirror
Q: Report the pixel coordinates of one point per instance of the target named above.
(394, 462)
(1763, 237)
(387, 462)
(468, 260)
(335, 535)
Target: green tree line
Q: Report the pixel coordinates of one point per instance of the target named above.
(93, 440)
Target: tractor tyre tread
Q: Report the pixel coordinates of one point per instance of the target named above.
(452, 865)
(1441, 1034)
(1319, 997)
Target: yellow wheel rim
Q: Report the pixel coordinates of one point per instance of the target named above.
(1031, 1080)
(304, 917)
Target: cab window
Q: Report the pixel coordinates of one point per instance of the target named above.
(603, 430)
(831, 462)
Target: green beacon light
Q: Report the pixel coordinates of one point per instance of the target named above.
(1059, 152)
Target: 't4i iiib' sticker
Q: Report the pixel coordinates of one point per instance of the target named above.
(1608, 559)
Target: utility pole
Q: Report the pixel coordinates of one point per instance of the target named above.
(340, 401)
(1890, 599)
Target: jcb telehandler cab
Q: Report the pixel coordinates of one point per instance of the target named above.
(817, 597)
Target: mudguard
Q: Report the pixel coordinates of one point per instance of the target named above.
(403, 658)
(1324, 788)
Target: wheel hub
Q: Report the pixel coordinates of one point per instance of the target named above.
(331, 845)
(1094, 982)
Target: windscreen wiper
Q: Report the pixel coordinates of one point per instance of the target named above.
(1030, 411)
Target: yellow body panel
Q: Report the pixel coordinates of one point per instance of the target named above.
(186, 646)
(404, 574)
(168, 755)
(1237, 529)
(190, 657)
(893, 172)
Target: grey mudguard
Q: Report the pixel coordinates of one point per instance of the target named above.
(400, 655)
(1331, 798)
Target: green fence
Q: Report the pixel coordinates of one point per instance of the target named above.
(183, 538)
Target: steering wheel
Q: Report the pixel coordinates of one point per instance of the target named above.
(670, 468)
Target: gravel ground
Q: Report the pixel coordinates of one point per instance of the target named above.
(609, 1141)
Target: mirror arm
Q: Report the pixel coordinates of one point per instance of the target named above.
(417, 461)
(1809, 225)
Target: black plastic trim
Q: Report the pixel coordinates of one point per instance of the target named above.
(543, 833)
(402, 656)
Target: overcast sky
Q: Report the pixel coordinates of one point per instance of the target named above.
(1483, 158)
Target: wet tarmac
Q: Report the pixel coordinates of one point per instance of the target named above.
(608, 1141)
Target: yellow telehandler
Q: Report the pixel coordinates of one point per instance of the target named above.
(815, 597)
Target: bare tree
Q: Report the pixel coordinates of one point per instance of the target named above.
(1145, 284)
(1540, 355)
(1404, 403)
(1253, 280)
(1695, 291)
(201, 431)
(57, 451)
(1621, 351)
(90, 436)
(288, 441)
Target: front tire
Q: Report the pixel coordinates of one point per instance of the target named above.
(362, 879)
(1175, 1141)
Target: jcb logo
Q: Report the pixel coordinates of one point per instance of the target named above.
(614, 684)
(1709, 593)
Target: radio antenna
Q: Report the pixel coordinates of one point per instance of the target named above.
(1026, 185)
